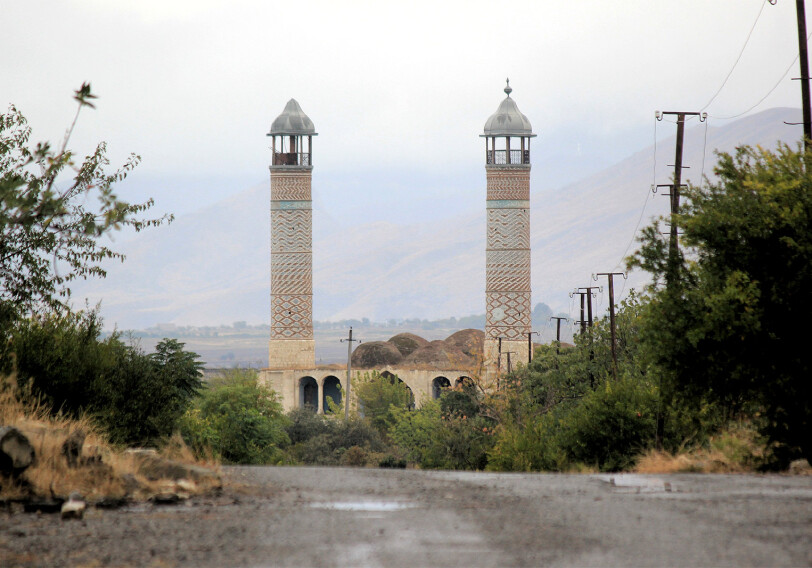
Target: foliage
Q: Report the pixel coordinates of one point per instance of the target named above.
(50, 234)
(441, 435)
(378, 395)
(330, 440)
(137, 398)
(238, 419)
(725, 328)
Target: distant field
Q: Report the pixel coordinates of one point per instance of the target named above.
(249, 347)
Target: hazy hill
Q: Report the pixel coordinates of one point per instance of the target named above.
(212, 266)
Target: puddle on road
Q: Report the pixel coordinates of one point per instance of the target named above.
(364, 506)
(631, 483)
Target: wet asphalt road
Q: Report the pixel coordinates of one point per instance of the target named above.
(365, 517)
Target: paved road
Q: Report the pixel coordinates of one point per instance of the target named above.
(363, 517)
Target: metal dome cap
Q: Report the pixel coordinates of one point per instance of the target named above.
(508, 120)
(292, 122)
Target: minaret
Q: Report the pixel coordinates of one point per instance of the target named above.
(291, 345)
(507, 265)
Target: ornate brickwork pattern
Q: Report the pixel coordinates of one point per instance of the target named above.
(508, 183)
(507, 271)
(508, 229)
(507, 277)
(508, 314)
(290, 186)
(291, 266)
(291, 274)
(291, 230)
(291, 316)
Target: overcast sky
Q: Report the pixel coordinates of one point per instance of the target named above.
(398, 91)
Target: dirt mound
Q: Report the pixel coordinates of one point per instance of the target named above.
(375, 354)
(438, 355)
(469, 341)
(407, 343)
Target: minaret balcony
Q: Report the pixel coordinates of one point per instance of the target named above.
(507, 157)
(291, 159)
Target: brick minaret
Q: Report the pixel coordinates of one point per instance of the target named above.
(507, 281)
(291, 345)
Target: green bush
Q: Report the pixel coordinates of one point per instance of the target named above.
(238, 419)
(378, 395)
(612, 425)
(326, 440)
(138, 398)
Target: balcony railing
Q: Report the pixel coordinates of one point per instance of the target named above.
(291, 159)
(500, 157)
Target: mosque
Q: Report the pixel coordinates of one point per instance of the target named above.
(292, 371)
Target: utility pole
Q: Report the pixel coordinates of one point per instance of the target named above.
(349, 341)
(610, 276)
(800, 15)
(802, 55)
(509, 353)
(530, 346)
(589, 295)
(673, 247)
(588, 291)
(582, 321)
(499, 359)
(558, 331)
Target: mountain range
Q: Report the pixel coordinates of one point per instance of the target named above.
(212, 265)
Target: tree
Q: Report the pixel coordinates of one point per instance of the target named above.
(50, 233)
(727, 327)
(238, 419)
(377, 394)
(138, 398)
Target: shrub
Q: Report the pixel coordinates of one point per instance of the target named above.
(238, 419)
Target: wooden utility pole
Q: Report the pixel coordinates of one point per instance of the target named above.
(509, 353)
(800, 12)
(349, 341)
(582, 321)
(589, 295)
(530, 334)
(588, 291)
(673, 246)
(610, 276)
(558, 331)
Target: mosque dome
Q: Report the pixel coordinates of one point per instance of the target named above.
(508, 120)
(292, 122)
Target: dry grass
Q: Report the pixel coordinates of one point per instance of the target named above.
(737, 449)
(104, 472)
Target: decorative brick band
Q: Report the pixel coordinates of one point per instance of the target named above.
(507, 271)
(291, 231)
(507, 204)
(292, 273)
(291, 316)
(508, 183)
(508, 229)
(290, 185)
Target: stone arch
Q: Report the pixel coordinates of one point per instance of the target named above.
(463, 381)
(438, 385)
(309, 393)
(392, 378)
(331, 388)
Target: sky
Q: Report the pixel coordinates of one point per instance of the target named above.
(398, 91)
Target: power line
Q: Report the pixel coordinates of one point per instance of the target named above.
(735, 63)
(770, 92)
